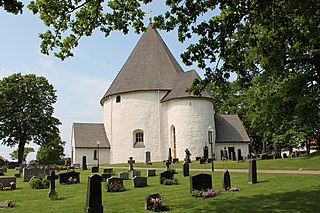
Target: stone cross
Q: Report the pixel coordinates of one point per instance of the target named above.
(187, 156)
(52, 185)
(131, 162)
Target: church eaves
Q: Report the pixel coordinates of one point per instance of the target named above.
(150, 66)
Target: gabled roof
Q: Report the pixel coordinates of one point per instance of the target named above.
(229, 128)
(150, 66)
(86, 135)
(183, 81)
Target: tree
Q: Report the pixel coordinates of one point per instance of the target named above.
(12, 6)
(27, 150)
(52, 150)
(26, 109)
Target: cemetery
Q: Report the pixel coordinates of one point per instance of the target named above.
(236, 186)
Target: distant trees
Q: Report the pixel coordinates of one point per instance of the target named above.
(52, 150)
(26, 111)
(27, 150)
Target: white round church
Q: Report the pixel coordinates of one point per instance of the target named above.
(147, 109)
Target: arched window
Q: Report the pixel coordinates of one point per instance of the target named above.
(118, 99)
(95, 156)
(173, 141)
(138, 139)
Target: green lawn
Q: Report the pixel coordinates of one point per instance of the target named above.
(273, 193)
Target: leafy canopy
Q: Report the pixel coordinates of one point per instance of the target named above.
(26, 111)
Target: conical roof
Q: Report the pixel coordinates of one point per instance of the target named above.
(151, 66)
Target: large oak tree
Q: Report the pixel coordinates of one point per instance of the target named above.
(26, 111)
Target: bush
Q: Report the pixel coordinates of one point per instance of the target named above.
(174, 181)
(38, 183)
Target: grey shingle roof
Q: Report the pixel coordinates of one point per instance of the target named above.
(184, 80)
(86, 135)
(150, 66)
(229, 128)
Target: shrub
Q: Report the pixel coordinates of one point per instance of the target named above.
(115, 187)
(45, 183)
(36, 184)
(174, 181)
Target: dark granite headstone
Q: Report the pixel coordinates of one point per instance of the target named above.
(166, 175)
(52, 185)
(226, 181)
(135, 173)
(188, 154)
(114, 182)
(138, 182)
(147, 204)
(252, 172)
(175, 160)
(202, 161)
(124, 175)
(84, 163)
(69, 177)
(148, 158)
(108, 170)
(105, 176)
(151, 172)
(94, 196)
(94, 169)
(200, 182)
(185, 169)
(198, 158)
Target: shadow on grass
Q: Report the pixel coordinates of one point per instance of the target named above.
(295, 201)
(312, 155)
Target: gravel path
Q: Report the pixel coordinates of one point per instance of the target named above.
(310, 172)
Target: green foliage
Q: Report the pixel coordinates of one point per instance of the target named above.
(174, 181)
(12, 6)
(36, 183)
(27, 150)
(26, 111)
(52, 150)
(115, 187)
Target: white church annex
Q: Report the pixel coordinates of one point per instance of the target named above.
(146, 109)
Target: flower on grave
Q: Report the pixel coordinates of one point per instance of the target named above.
(205, 193)
(13, 185)
(235, 189)
(156, 203)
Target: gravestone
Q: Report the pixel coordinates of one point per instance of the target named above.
(175, 160)
(75, 166)
(94, 195)
(252, 172)
(200, 182)
(166, 175)
(94, 169)
(225, 153)
(131, 162)
(188, 154)
(52, 183)
(124, 175)
(108, 170)
(135, 174)
(147, 204)
(69, 177)
(6, 180)
(226, 181)
(4, 169)
(202, 161)
(105, 176)
(148, 158)
(84, 163)
(118, 182)
(221, 155)
(138, 182)
(210, 160)
(198, 158)
(170, 156)
(151, 172)
(185, 169)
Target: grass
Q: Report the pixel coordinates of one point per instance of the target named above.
(273, 193)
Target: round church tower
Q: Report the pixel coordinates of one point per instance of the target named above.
(146, 108)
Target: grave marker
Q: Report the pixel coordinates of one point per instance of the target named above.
(94, 196)
(151, 172)
(252, 172)
(114, 184)
(124, 175)
(139, 182)
(52, 184)
(135, 174)
(166, 175)
(185, 169)
(200, 182)
(147, 204)
(226, 181)
(131, 162)
(84, 163)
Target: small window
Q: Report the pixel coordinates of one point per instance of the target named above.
(118, 99)
(138, 139)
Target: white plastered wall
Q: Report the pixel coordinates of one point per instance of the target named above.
(191, 118)
(237, 145)
(136, 110)
(89, 153)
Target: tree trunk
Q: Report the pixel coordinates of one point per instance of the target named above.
(21, 151)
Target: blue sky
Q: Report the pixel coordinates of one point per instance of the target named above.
(80, 81)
